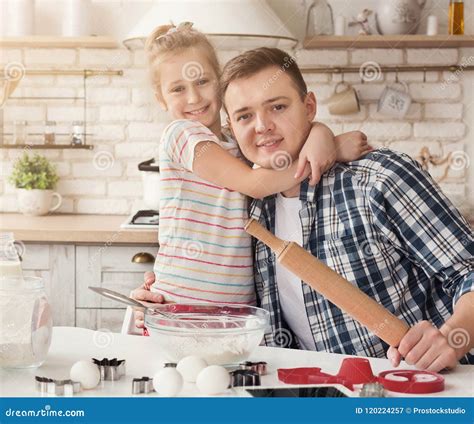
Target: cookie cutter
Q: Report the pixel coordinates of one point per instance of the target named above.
(258, 367)
(372, 390)
(358, 371)
(110, 369)
(57, 387)
(142, 385)
(244, 378)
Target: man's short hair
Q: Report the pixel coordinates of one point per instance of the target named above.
(253, 61)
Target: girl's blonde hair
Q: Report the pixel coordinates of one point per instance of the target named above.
(168, 39)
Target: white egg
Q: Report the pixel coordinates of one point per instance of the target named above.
(87, 373)
(213, 380)
(168, 382)
(190, 367)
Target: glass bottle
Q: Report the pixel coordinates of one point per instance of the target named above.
(49, 132)
(10, 265)
(19, 132)
(26, 322)
(456, 17)
(77, 133)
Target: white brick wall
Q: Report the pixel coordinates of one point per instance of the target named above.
(126, 123)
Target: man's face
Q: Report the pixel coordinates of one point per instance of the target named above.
(268, 116)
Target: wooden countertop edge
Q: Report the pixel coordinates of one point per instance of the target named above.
(92, 229)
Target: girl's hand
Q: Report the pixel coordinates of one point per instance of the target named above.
(143, 294)
(351, 146)
(319, 151)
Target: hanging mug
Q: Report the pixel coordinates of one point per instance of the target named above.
(394, 102)
(343, 102)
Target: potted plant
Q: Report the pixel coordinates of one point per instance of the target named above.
(35, 178)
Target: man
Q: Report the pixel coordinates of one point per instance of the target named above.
(380, 222)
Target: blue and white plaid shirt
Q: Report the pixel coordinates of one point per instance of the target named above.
(384, 225)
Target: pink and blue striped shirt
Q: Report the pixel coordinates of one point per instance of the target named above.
(205, 255)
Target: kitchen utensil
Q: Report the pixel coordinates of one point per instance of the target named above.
(399, 16)
(20, 18)
(110, 369)
(119, 297)
(456, 17)
(258, 367)
(372, 390)
(432, 25)
(151, 183)
(343, 102)
(20, 132)
(78, 135)
(395, 102)
(76, 18)
(220, 334)
(358, 371)
(244, 378)
(26, 322)
(37, 202)
(332, 286)
(340, 25)
(319, 19)
(412, 381)
(142, 385)
(47, 385)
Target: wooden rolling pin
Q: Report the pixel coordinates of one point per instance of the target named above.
(332, 286)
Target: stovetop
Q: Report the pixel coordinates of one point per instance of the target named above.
(145, 219)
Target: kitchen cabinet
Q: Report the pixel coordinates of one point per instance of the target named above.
(110, 267)
(55, 263)
(68, 270)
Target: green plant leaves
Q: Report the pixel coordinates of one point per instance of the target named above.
(34, 173)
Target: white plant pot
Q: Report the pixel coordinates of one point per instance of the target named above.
(37, 202)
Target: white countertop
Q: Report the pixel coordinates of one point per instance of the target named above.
(70, 344)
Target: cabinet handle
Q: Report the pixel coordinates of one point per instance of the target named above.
(143, 258)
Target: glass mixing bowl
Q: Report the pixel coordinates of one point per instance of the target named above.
(220, 334)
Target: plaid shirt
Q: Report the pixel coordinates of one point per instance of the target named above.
(384, 225)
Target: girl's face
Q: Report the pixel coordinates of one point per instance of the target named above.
(190, 88)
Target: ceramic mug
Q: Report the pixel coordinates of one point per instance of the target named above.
(37, 202)
(343, 102)
(394, 102)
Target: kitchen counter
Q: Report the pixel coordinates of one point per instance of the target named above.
(71, 344)
(75, 229)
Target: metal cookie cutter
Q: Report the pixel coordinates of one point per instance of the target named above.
(110, 369)
(244, 378)
(372, 390)
(258, 367)
(142, 385)
(57, 387)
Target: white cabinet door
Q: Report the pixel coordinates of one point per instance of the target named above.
(55, 263)
(109, 267)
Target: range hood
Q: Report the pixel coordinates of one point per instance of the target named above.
(230, 24)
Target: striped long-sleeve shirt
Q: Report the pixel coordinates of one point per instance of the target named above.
(205, 254)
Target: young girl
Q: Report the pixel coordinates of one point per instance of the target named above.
(205, 254)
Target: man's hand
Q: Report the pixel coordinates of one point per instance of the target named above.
(425, 347)
(143, 294)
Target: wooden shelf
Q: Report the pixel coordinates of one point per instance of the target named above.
(388, 41)
(47, 146)
(96, 42)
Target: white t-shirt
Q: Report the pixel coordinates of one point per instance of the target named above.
(288, 227)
